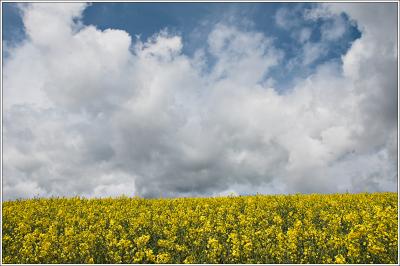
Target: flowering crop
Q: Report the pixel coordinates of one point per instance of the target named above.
(337, 228)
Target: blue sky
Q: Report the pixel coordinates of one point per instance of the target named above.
(13, 30)
(209, 99)
(194, 21)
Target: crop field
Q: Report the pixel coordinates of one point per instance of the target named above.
(337, 228)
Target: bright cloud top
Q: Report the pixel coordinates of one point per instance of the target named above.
(99, 113)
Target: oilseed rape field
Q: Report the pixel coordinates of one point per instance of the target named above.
(335, 228)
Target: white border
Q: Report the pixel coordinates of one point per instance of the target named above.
(202, 1)
(196, 1)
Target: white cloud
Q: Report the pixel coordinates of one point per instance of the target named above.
(304, 34)
(162, 46)
(335, 29)
(89, 112)
(244, 57)
(317, 12)
(334, 25)
(327, 27)
(312, 52)
(289, 18)
(281, 18)
(49, 26)
(370, 64)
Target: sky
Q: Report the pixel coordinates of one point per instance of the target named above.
(198, 99)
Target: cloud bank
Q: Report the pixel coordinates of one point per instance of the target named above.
(99, 113)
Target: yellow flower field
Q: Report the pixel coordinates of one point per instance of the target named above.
(337, 228)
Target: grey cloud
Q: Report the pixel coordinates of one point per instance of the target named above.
(370, 64)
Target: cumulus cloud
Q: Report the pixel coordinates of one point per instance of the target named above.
(97, 113)
(370, 64)
(289, 17)
(318, 30)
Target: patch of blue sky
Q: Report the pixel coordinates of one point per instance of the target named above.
(293, 65)
(13, 31)
(194, 22)
(147, 19)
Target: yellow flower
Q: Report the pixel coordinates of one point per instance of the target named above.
(252, 229)
(339, 259)
(163, 258)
